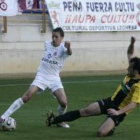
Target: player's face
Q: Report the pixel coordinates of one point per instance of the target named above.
(56, 39)
(130, 69)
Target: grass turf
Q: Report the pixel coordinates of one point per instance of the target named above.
(81, 91)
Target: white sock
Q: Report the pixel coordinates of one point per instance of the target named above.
(15, 106)
(60, 110)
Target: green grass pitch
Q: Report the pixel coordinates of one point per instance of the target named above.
(81, 91)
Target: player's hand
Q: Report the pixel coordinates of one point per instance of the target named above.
(112, 112)
(133, 40)
(67, 44)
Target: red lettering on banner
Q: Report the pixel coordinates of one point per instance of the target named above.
(80, 19)
(75, 19)
(90, 18)
(103, 19)
(131, 18)
(114, 19)
(68, 18)
(124, 19)
(117, 18)
(93, 18)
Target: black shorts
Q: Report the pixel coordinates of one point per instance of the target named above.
(105, 104)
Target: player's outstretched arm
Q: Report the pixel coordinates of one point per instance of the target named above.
(130, 50)
(129, 107)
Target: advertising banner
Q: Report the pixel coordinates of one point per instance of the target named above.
(93, 15)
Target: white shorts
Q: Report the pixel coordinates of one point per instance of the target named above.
(51, 83)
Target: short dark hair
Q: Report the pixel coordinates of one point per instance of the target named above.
(60, 30)
(136, 65)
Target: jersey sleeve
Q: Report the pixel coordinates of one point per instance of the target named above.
(136, 94)
(46, 44)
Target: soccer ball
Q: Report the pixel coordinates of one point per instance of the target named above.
(9, 124)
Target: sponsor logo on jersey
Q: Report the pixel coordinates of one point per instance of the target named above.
(49, 61)
(49, 55)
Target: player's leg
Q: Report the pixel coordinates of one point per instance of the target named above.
(56, 87)
(92, 110)
(62, 100)
(106, 128)
(29, 93)
(19, 102)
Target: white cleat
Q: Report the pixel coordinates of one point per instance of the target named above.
(63, 125)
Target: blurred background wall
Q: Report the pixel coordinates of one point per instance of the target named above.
(93, 52)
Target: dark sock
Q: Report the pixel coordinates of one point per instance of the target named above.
(67, 117)
(111, 132)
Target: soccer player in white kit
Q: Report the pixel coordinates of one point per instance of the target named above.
(47, 76)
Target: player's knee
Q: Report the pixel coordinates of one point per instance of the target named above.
(85, 112)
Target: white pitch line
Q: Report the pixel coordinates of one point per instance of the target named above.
(66, 82)
(90, 81)
(12, 85)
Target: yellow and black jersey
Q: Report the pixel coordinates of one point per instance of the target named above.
(127, 92)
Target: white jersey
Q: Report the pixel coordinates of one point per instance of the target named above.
(52, 60)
